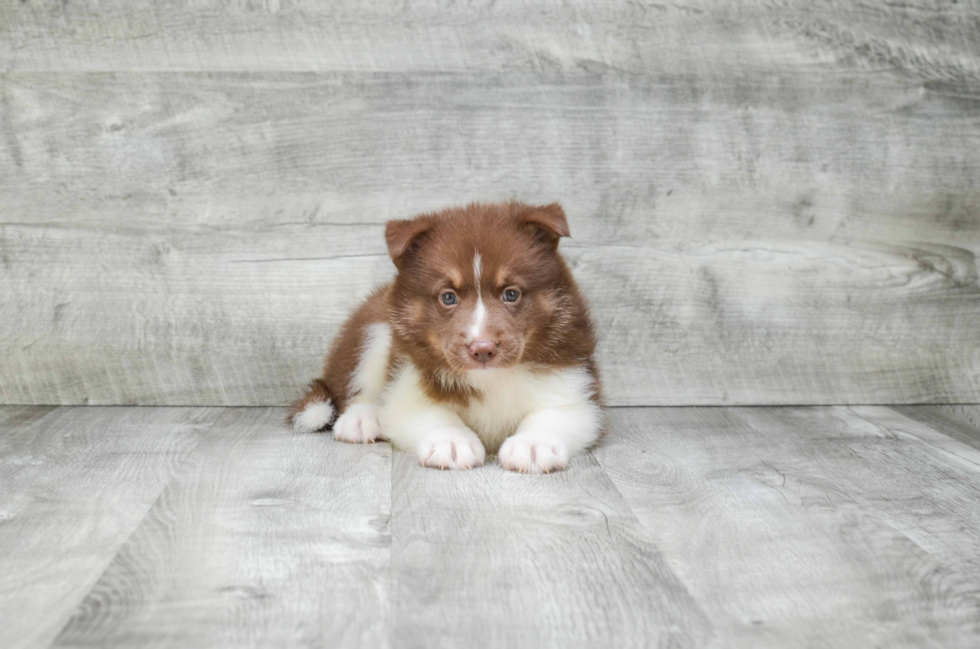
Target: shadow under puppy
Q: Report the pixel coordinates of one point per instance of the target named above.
(482, 342)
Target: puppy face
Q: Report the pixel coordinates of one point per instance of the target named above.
(482, 287)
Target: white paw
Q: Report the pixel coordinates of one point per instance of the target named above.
(533, 453)
(451, 448)
(358, 425)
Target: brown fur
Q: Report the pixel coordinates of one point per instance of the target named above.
(344, 354)
(547, 327)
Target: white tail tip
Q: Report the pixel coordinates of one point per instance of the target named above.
(314, 417)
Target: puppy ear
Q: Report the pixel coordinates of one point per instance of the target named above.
(403, 236)
(550, 223)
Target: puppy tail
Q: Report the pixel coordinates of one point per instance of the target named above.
(315, 411)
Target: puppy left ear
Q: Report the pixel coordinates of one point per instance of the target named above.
(404, 235)
(550, 223)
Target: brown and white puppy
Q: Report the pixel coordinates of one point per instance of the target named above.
(482, 342)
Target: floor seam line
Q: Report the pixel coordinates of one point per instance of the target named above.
(136, 526)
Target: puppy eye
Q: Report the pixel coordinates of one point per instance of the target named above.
(511, 295)
(448, 298)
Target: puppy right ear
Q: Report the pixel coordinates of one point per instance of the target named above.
(404, 235)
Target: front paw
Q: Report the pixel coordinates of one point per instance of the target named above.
(451, 448)
(533, 453)
(358, 425)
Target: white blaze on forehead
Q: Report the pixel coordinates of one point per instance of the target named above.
(477, 270)
(478, 329)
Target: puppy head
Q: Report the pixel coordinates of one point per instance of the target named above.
(482, 287)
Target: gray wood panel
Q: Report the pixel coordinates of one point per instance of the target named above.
(498, 559)
(702, 527)
(916, 479)
(197, 239)
(581, 36)
(265, 538)
(808, 526)
(961, 422)
(74, 484)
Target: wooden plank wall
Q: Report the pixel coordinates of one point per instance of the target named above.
(771, 202)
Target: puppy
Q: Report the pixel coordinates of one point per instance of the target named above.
(482, 343)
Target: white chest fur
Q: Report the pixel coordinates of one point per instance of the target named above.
(509, 395)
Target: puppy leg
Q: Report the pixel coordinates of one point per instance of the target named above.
(449, 446)
(352, 383)
(546, 439)
(359, 422)
(354, 372)
(436, 434)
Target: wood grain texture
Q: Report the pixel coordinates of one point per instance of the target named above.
(687, 527)
(961, 422)
(691, 36)
(265, 538)
(179, 238)
(913, 477)
(808, 526)
(492, 558)
(74, 484)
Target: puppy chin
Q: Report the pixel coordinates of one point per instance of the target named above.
(462, 363)
(473, 366)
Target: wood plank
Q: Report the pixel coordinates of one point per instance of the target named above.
(961, 422)
(918, 480)
(492, 558)
(777, 521)
(178, 238)
(686, 37)
(843, 526)
(19, 418)
(265, 538)
(74, 484)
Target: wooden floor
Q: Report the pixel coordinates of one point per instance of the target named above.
(688, 527)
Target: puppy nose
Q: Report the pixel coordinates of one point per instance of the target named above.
(483, 350)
